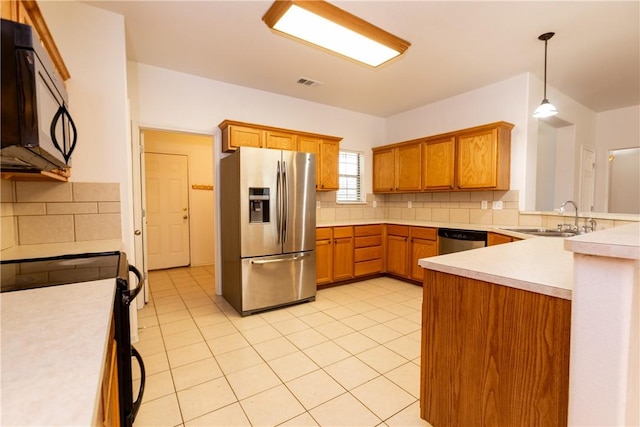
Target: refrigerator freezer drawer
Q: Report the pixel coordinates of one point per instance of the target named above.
(274, 281)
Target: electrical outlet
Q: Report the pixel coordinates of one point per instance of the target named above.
(375, 203)
(318, 205)
(497, 204)
(483, 204)
(409, 204)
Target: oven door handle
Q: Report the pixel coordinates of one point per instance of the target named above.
(130, 295)
(136, 405)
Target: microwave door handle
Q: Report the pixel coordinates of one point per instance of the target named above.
(63, 114)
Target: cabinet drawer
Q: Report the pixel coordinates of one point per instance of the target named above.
(363, 242)
(368, 230)
(398, 230)
(323, 233)
(366, 254)
(368, 267)
(339, 232)
(424, 233)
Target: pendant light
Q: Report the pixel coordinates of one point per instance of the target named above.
(545, 109)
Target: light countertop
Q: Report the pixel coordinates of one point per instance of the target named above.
(618, 242)
(53, 351)
(540, 265)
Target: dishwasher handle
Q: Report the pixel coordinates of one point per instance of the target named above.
(457, 234)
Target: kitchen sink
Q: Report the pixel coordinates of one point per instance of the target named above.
(542, 232)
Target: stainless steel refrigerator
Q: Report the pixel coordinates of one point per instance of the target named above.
(268, 220)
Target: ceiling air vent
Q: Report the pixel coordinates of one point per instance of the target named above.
(308, 82)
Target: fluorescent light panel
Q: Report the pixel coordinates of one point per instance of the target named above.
(329, 27)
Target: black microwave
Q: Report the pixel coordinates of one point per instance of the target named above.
(37, 130)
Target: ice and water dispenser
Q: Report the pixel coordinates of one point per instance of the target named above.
(259, 204)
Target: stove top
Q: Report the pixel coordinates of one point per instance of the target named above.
(18, 275)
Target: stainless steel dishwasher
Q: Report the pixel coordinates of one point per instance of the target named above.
(453, 240)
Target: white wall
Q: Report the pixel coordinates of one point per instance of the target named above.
(165, 99)
(92, 44)
(615, 129)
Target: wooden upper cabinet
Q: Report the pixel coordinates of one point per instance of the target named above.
(438, 162)
(329, 160)
(407, 167)
(280, 140)
(484, 157)
(383, 170)
(28, 12)
(477, 158)
(327, 153)
(326, 148)
(235, 136)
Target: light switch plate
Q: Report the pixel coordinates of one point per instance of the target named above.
(484, 204)
(409, 204)
(318, 205)
(375, 203)
(497, 204)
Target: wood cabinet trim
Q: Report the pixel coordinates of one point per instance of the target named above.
(226, 123)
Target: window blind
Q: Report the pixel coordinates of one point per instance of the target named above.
(350, 170)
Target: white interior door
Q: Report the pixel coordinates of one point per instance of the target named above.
(167, 210)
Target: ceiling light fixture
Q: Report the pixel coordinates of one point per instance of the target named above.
(329, 27)
(545, 109)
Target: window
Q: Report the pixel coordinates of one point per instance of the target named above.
(350, 167)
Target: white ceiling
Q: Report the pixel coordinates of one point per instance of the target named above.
(456, 46)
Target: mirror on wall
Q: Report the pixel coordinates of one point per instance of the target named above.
(624, 180)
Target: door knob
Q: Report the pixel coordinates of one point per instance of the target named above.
(185, 217)
(137, 232)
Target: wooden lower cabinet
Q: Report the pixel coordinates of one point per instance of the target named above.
(492, 355)
(405, 246)
(423, 244)
(342, 253)
(368, 250)
(334, 254)
(324, 255)
(397, 248)
(499, 239)
(109, 403)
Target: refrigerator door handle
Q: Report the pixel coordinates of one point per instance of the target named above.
(274, 260)
(285, 202)
(279, 204)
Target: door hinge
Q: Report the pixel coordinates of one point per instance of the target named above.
(144, 213)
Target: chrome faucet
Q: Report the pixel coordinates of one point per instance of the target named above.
(575, 228)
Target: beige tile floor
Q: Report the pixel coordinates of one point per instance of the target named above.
(350, 358)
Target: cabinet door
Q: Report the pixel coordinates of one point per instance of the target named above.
(407, 167)
(498, 239)
(324, 261)
(241, 136)
(343, 258)
(397, 255)
(329, 158)
(438, 164)
(312, 145)
(384, 171)
(478, 159)
(280, 140)
(421, 248)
